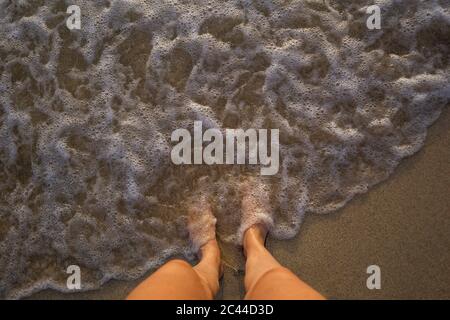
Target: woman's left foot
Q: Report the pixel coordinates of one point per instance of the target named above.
(202, 231)
(201, 223)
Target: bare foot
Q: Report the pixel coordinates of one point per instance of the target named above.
(256, 210)
(202, 231)
(201, 222)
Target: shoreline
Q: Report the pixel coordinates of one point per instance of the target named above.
(401, 224)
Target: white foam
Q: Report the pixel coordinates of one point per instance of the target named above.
(86, 118)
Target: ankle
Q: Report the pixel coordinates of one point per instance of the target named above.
(210, 253)
(254, 238)
(256, 233)
(210, 248)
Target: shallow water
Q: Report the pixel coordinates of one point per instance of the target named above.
(86, 118)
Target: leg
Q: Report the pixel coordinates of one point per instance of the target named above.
(265, 278)
(177, 280)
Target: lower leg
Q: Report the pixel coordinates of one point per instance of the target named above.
(209, 269)
(177, 280)
(259, 260)
(265, 278)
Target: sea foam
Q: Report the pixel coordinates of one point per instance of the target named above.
(86, 118)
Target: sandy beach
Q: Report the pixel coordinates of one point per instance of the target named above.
(116, 117)
(401, 225)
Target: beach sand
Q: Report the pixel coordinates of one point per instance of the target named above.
(401, 225)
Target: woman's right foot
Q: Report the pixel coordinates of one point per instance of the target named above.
(256, 220)
(256, 234)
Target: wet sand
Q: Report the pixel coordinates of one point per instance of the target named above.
(401, 225)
